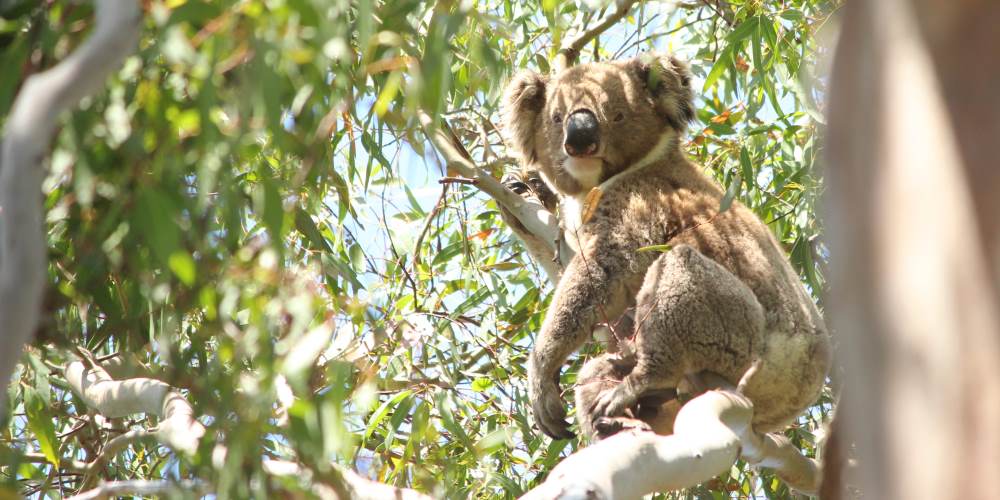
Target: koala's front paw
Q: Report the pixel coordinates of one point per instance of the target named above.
(614, 402)
(514, 183)
(550, 410)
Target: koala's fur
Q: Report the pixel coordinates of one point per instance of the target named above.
(724, 297)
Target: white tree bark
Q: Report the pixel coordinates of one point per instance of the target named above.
(25, 143)
(177, 427)
(711, 431)
(115, 489)
(360, 488)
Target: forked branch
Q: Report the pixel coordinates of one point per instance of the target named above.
(533, 216)
(571, 50)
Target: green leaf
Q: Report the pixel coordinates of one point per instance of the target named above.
(383, 411)
(155, 217)
(792, 15)
(492, 442)
(448, 252)
(272, 212)
(414, 204)
(746, 168)
(724, 62)
(655, 248)
(40, 424)
(481, 384)
(756, 50)
(305, 225)
(743, 30)
(731, 193)
(501, 266)
(183, 267)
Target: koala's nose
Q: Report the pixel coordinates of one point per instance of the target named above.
(581, 134)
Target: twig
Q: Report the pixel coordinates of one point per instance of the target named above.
(717, 6)
(568, 53)
(64, 464)
(458, 180)
(111, 448)
(427, 226)
(655, 36)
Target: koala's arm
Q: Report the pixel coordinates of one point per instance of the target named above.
(592, 290)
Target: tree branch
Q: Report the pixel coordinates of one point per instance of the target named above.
(142, 488)
(179, 430)
(568, 53)
(710, 433)
(177, 427)
(535, 218)
(25, 142)
(111, 448)
(360, 488)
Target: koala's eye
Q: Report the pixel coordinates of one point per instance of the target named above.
(557, 119)
(619, 117)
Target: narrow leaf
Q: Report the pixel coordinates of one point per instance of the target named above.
(655, 248)
(731, 192)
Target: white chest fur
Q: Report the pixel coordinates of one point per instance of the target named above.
(571, 211)
(586, 171)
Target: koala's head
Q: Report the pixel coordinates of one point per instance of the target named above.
(589, 122)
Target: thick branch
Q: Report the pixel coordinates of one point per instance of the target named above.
(25, 141)
(177, 428)
(143, 488)
(775, 451)
(361, 488)
(112, 448)
(568, 53)
(709, 433)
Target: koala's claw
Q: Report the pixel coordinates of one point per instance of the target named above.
(609, 426)
(515, 184)
(550, 414)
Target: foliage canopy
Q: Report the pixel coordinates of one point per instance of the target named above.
(251, 211)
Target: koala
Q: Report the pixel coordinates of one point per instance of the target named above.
(605, 138)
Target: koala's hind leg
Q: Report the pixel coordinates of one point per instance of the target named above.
(692, 315)
(602, 374)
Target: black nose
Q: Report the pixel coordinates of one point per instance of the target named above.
(581, 134)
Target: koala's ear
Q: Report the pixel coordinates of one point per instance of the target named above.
(668, 80)
(522, 105)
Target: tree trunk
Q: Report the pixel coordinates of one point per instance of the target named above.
(912, 225)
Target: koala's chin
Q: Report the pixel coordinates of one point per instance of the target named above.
(586, 171)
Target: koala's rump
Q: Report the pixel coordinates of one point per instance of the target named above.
(677, 205)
